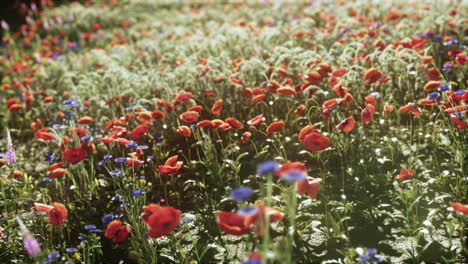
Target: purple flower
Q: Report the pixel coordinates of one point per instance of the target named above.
(10, 152)
(247, 210)
(31, 245)
(241, 193)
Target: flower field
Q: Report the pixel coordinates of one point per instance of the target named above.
(165, 131)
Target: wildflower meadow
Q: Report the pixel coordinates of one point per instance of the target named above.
(249, 131)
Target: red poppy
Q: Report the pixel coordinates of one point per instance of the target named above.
(236, 80)
(310, 187)
(74, 154)
(304, 131)
(171, 166)
(275, 127)
(410, 108)
(15, 108)
(57, 213)
(183, 97)
(315, 141)
(299, 110)
(162, 220)
(139, 131)
(347, 124)
(232, 223)
(256, 120)
(44, 134)
(372, 75)
(286, 90)
(85, 120)
(339, 72)
(260, 217)
(433, 74)
(463, 208)
(157, 114)
(189, 116)
(367, 113)
(117, 231)
(57, 173)
(234, 123)
(144, 117)
(432, 85)
(258, 98)
(405, 174)
(184, 131)
(206, 124)
(290, 166)
(196, 108)
(459, 123)
(217, 107)
(245, 137)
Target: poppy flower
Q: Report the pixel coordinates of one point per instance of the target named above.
(260, 217)
(236, 80)
(304, 131)
(410, 108)
(459, 123)
(372, 75)
(157, 114)
(234, 123)
(139, 131)
(256, 120)
(189, 116)
(184, 131)
(57, 173)
(74, 154)
(330, 103)
(162, 220)
(245, 137)
(275, 127)
(232, 223)
(432, 85)
(206, 124)
(310, 187)
(290, 166)
(299, 110)
(144, 117)
(339, 72)
(367, 113)
(16, 174)
(44, 134)
(347, 124)
(258, 98)
(117, 231)
(286, 90)
(56, 213)
(196, 108)
(315, 141)
(433, 74)
(405, 174)
(183, 97)
(217, 107)
(85, 120)
(463, 208)
(171, 166)
(313, 77)
(15, 108)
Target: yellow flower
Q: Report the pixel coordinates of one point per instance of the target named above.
(142, 181)
(77, 255)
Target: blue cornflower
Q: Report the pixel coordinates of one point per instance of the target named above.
(57, 126)
(71, 250)
(241, 193)
(102, 162)
(137, 192)
(247, 210)
(86, 138)
(371, 257)
(443, 88)
(107, 219)
(460, 92)
(83, 238)
(115, 172)
(142, 147)
(294, 175)
(116, 198)
(88, 227)
(131, 144)
(433, 96)
(108, 156)
(47, 179)
(268, 166)
(120, 160)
